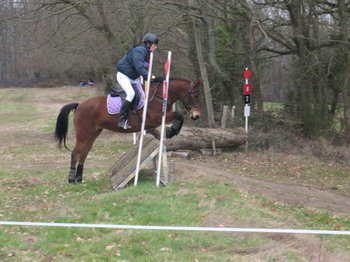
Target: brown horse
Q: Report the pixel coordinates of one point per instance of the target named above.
(91, 117)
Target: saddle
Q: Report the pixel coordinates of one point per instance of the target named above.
(117, 96)
(118, 91)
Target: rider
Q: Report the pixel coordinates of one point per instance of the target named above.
(133, 65)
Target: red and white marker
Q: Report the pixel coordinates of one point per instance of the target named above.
(165, 103)
(247, 89)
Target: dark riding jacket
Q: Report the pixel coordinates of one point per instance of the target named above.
(133, 63)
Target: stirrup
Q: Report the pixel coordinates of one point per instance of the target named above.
(124, 124)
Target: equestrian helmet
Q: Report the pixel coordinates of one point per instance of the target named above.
(151, 38)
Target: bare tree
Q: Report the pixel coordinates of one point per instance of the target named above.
(216, 40)
(302, 29)
(343, 14)
(202, 66)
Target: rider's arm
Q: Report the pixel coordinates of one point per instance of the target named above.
(138, 59)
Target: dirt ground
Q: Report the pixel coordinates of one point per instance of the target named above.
(273, 183)
(310, 196)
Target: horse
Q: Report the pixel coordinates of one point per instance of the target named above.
(91, 117)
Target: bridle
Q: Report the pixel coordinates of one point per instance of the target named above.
(191, 97)
(190, 94)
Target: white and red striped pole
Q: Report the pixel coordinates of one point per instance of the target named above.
(165, 102)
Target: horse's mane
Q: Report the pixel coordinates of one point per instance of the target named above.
(185, 81)
(172, 79)
(178, 79)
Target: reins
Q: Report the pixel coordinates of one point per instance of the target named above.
(155, 93)
(189, 93)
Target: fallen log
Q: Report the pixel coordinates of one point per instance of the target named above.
(195, 138)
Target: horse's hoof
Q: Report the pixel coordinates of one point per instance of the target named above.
(170, 132)
(79, 180)
(71, 181)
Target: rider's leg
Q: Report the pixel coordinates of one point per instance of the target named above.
(125, 83)
(123, 115)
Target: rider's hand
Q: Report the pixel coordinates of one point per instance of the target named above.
(157, 78)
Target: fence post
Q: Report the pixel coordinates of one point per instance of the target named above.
(224, 116)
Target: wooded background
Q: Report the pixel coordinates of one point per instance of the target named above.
(298, 51)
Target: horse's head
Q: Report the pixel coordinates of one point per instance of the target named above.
(188, 93)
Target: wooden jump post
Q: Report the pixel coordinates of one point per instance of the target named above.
(123, 171)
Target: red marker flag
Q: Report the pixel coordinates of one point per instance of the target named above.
(247, 73)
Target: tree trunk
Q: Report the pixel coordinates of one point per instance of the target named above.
(203, 69)
(311, 102)
(344, 21)
(251, 47)
(194, 138)
(347, 105)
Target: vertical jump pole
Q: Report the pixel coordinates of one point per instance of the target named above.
(165, 103)
(144, 115)
(247, 89)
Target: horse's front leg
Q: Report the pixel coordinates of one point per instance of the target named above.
(154, 132)
(176, 126)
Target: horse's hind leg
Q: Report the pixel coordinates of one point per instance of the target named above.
(85, 148)
(74, 159)
(74, 169)
(79, 154)
(71, 175)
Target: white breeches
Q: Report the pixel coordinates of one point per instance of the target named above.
(126, 83)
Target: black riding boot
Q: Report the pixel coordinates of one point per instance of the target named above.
(123, 115)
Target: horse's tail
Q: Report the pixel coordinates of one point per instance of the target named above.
(61, 129)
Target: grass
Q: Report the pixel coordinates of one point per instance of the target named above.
(191, 204)
(33, 188)
(146, 205)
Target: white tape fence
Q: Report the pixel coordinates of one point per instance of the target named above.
(179, 228)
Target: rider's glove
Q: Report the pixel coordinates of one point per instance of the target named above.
(157, 78)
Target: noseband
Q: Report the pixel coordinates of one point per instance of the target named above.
(191, 98)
